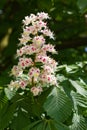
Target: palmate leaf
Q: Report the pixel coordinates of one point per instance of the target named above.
(30, 104)
(46, 125)
(78, 123)
(79, 99)
(3, 99)
(79, 87)
(34, 125)
(33, 105)
(82, 4)
(39, 101)
(20, 120)
(9, 93)
(58, 105)
(6, 115)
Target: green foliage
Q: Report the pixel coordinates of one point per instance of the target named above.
(6, 111)
(46, 125)
(9, 93)
(2, 4)
(3, 99)
(78, 123)
(20, 120)
(82, 5)
(62, 108)
(57, 105)
(73, 80)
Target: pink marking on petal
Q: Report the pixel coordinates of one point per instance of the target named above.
(27, 61)
(23, 64)
(22, 84)
(30, 73)
(48, 78)
(44, 60)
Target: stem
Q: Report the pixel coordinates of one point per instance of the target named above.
(33, 81)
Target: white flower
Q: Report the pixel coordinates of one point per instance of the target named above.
(46, 60)
(48, 79)
(30, 19)
(20, 52)
(42, 16)
(14, 85)
(27, 20)
(48, 33)
(42, 58)
(16, 71)
(32, 30)
(23, 83)
(34, 73)
(38, 25)
(48, 69)
(30, 49)
(33, 17)
(36, 90)
(24, 39)
(38, 40)
(49, 48)
(25, 62)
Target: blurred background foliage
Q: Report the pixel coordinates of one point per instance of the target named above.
(68, 21)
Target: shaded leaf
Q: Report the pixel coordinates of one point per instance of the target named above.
(44, 5)
(2, 3)
(3, 99)
(82, 4)
(46, 125)
(6, 115)
(20, 120)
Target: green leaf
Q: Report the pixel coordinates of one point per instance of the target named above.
(82, 4)
(79, 87)
(58, 105)
(9, 93)
(37, 106)
(78, 123)
(46, 125)
(32, 125)
(6, 115)
(79, 99)
(33, 105)
(3, 100)
(58, 126)
(2, 3)
(44, 5)
(20, 120)
(71, 68)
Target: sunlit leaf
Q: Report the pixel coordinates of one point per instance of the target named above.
(79, 99)
(58, 105)
(78, 123)
(9, 93)
(80, 89)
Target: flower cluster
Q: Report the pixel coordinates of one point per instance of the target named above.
(35, 69)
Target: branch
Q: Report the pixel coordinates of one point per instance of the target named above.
(74, 43)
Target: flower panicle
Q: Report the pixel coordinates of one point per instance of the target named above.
(35, 67)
